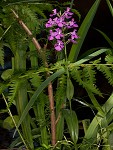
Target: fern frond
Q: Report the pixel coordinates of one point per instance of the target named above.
(3, 87)
(35, 80)
(1, 56)
(86, 78)
(109, 59)
(90, 79)
(76, 74)
(61, 92)
(13, 89)
(107, 71)
(89, 74)
(39, 12)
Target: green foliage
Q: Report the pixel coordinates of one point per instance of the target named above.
(86, 78)
(8, 123)
(72, 123)
(1, 55)
(61, 90)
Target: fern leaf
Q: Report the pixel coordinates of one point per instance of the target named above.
(61, 92)
(1, 56)
(89, 73)
(109, 59)
(76, 74)
(35, 80)
(3, 87)
(86, 78)
(107, 71)
(90, 79)
(13, 89)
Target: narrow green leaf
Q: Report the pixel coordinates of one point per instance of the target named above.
(1, 56)
(83, 31)
(60, 128)
(110, 7)
(95, 102)
(106, 37)
(37, 93)
(70, 89)
(90, 56)
(72, 123)
(110, 139)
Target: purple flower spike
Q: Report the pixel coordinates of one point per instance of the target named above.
(59, 45)
(60, 23)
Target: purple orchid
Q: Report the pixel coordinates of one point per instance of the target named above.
(59, 45)
(59, 21)
(55, 35)
(50, 23)
(67, 14)
(59, 24)
(52, 35)
(59, 33)
(71, 24)
(74, 35)
(54, 13)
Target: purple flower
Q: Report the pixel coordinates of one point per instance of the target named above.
(55, 35)
(54, 13)
(71, 24)
(59, 34)
(52, 35)
(59, 45)
(50, 23)
(59, 21)
(67, 14)
(74, 35)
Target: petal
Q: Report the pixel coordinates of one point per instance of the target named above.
(58, 48)
(60, 24)
(58, 37)
(50, 38)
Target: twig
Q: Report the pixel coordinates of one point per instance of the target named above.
(50, 87)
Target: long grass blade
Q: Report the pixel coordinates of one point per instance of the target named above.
(82, 32)
(106, 38)
(110, 7)
(90, 56)
(37, 93)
